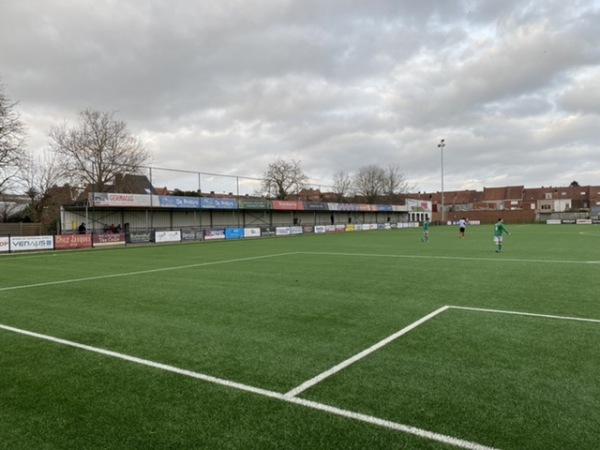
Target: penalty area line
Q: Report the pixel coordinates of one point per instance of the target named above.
(313, 381)
(520, 313)
(407, 429)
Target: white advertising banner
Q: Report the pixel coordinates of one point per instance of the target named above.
(126, 200)
(167, 236)
(282, 231)
(211, 235)
(251, 232)
(4, 241)
(24, 243)
(296, 230)
(416, 205)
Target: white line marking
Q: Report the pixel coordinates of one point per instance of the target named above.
(585, 233)
(264, 392)
(449, 258)
(391, 425)
(518, 313)
(307, 384)
(141, 361)
(142, 272)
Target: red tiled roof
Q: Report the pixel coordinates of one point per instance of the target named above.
(494, 194)
(595, 193)
(514, 192)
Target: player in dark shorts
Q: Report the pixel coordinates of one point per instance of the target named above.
(462, 224)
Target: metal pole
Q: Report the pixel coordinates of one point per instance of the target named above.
(441, 145)
(151, 202)
(92, 222)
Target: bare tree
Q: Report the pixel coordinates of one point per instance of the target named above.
(369, 182)
(284, 178)
(342, 184)
(9, 207)
(97, 149)
(12, 140)
(373, 182)
(394, 181)
(38, 176)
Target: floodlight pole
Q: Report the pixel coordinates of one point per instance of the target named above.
(92, 223)
(441, 146)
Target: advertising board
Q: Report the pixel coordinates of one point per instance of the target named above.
(167, 236)
(28, 243)
(4, 244)
(70, 241)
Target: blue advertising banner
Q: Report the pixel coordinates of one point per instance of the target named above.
(218, 203)
(171, 201)
(315, 206)
(234, 233)
(384, 208)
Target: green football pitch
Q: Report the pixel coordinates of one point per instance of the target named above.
(364, 340)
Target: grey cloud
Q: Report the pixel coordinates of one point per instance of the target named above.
(226, 87)
(583, 95)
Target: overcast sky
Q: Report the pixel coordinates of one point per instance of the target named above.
(228, 86)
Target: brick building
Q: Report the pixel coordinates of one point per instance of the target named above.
(516, 203)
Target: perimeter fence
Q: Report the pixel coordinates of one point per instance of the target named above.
(205, 183)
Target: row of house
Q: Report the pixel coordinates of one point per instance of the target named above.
(515, 203)
(528, 204)
(543, 199)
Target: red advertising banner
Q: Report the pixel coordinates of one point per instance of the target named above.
(109, 239)
(67, 241)
(4, 244)
(288, 205)
(366, 207)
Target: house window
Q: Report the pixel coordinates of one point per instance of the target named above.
(546, 207)
(548, 195)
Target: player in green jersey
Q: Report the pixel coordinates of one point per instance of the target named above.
(425, 237)
(499, 228)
